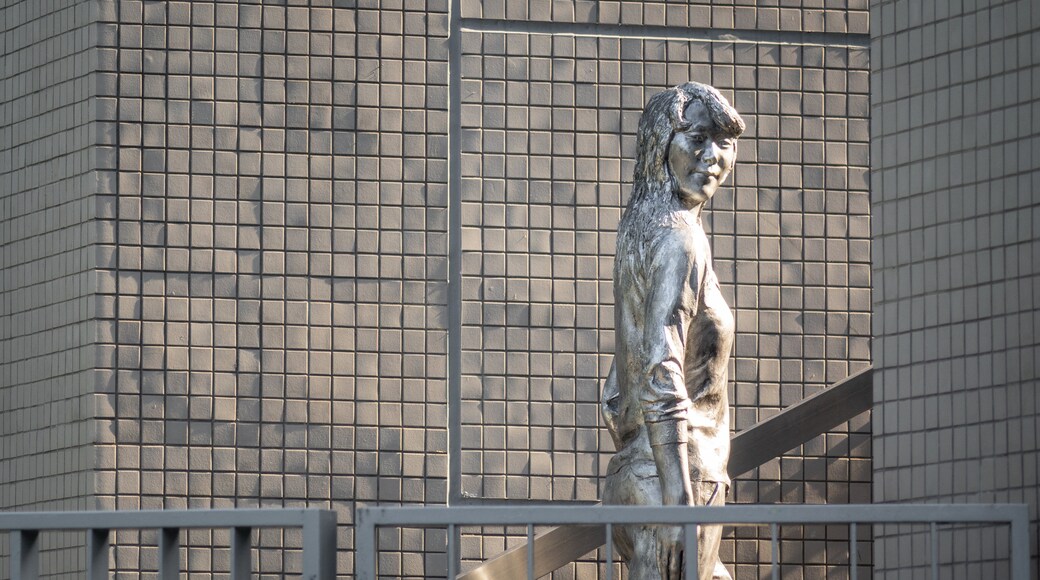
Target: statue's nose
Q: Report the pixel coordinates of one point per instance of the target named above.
(710, 156)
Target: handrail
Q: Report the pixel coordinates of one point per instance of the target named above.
(370, 518)
(801, 422)
(749, 448)
(318, 525)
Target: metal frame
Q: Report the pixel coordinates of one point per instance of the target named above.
(457, 26)
(369, 518)
(318, 525)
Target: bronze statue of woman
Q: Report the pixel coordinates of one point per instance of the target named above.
(665, 400)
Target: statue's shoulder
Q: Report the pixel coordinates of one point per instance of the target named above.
(683, 234)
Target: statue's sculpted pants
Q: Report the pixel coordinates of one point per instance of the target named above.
(637, 485)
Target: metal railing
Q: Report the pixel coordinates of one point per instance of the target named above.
(689, 517)
(749, 448)
(319, 537)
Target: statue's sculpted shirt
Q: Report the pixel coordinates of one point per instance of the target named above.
(674, 333)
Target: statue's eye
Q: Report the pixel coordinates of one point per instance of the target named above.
(724, 143)
(697, 139)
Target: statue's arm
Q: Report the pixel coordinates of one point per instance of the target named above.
(664, 399)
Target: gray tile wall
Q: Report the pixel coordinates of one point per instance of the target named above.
(272, 261)
(955, 119)
(47, 232)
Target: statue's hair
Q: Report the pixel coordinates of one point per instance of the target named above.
(654, 188)
(663, 117)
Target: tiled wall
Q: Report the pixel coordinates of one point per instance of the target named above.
(273, 261)
(954, 170)
(273, 312)
(46, 257)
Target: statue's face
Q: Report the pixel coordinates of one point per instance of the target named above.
(700, 157)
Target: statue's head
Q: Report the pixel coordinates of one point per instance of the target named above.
(687, 142)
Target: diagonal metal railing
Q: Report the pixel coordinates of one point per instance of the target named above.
(318, 525)
(749, 448)
(370, 518)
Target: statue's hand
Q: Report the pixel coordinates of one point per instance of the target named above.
(670, 552)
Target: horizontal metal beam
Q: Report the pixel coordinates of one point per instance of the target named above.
(733, 514)
(152, 519)
(658, 32)
(369, 518)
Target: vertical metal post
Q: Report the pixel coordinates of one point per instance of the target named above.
(774, 548)
(365, 551)
(319, 545)
(453, 556)
(25, 554)
(692, 570)
(97, 555)
(1020, 545)
(933, 536)
(610, 551)
(853, 552)
(454, 270)
(241, 547)
(530, 551)
(169, 554)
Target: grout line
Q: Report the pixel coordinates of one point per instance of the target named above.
(654, 32)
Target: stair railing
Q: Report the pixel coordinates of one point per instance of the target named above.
(749, 449)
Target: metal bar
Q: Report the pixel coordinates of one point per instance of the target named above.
(610, 552)
(154, 519)
(801, 422)
(453, 549)
(454, 270)
(853, 552)
(365, 549)
(774, 550)
(704, 515)
(933, 535)
(97, 554)
(319, 532)
(530, 551)
(690, 552)
(656, 32)
(25, 555)
(241, 552)
(1020, 546)
(169, 554)
(319, 545)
